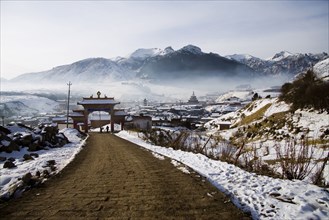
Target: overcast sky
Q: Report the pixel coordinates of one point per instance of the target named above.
(37, 36)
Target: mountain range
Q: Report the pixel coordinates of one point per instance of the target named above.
(281, 63)
(166, 65)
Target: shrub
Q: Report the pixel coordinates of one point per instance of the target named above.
(295, 160)
(307, 91)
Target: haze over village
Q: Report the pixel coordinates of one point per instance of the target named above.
(230, 96)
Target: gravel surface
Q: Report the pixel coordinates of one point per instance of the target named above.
(114, 179)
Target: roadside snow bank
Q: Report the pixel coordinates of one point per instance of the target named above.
(11, 179)
(264, 197)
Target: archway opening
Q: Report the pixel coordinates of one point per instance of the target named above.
(98, 119)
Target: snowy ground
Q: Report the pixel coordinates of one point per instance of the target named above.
(10, 178)
(264, 197)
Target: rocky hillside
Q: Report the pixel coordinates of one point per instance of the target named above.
(281, 63)
(271, 119)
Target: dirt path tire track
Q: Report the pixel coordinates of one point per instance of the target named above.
(114, 179)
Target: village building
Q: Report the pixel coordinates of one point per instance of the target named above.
(193, 100)
(224, 125)
(139, 122)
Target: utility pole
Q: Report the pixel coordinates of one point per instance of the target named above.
(68, 104)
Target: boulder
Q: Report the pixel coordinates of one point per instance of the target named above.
(45, 173)
(12, 147)
(9, 165)
(3, 158)
(26, 139)
(51, 162)
(23, 126)
(35, 146)
(27, 178)
(30, 180)
(4, 130)
(11, 159)
(49, 133)
(8, 146)
(61, 139)
(27, 157)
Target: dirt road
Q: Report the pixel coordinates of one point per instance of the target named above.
(114, 179)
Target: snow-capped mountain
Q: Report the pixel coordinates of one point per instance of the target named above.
(190, 62)
(281, 63)
(169, 64)
(145, 53)
(88, 70)
(255, 63)
(136, 60)
(279, 56)
(191, 49)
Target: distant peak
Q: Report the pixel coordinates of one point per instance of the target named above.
(168, 50)
(144, 53)
(240, 57)
(281, 55)
(192, 49)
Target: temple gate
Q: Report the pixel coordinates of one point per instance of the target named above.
(99, 103)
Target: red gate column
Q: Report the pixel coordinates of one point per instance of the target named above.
(112, 119)
(75, 124)
(86, 121)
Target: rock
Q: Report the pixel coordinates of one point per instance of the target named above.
(45, 173)
(28, 157)
(34, 146)
(4, 130)
(13, 147)
(51, 162)
(27, 178)
(38, 174)
(26, 139)
(2, 158)
(9, 146)
(53, 168)
(25, 127)
(11, 159)
(9, 165)
(61, 139)
(49, 133)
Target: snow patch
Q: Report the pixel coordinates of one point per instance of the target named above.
(322, 69)
(264, 197)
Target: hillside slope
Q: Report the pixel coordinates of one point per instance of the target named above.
(271, 119)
